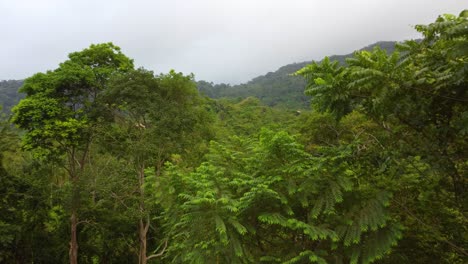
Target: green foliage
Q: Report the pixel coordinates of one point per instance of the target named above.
(251, 196)
(417, 97)
(157, 116)
(248, 116)
(62, 106)
(9, 95)
(279, 88)
(26, 200)
(376, 173)
(9, 225)
(60, 114)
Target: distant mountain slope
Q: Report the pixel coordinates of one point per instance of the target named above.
(277, 88)
(9, 95)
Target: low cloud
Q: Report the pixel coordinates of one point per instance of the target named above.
(217, 40)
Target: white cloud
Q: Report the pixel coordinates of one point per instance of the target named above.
(218, 40)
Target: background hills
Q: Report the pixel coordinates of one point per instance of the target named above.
(276, 88)
(9, 95)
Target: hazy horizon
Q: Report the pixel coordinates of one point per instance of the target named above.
(219, 41)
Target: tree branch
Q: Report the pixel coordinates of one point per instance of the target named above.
(158, 254)
(438, 236)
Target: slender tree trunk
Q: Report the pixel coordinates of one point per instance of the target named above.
(73, 253)
(142, 237)
(74, 170)
(143, 224)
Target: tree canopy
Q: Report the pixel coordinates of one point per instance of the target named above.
(104, 163)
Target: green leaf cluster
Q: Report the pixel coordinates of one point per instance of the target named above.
(417, 102)
(267, 199)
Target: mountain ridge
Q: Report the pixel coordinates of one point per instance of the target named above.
(276, 88)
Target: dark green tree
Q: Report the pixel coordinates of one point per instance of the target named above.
(417, 96)
(155, 117)
(61, 111)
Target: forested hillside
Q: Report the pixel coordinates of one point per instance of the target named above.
(278, 88)
(102, 162)
(9, 95)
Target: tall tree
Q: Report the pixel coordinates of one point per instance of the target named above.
(418, 96)
(61, 111)
(155, 117)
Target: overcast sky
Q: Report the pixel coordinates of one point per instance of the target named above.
(228, 41)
